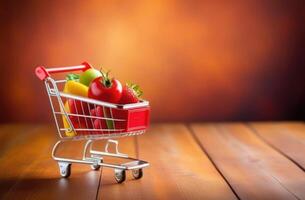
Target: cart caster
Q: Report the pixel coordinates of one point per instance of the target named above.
(64, 169)
(120, 175)
(137, 173)
(95, 167)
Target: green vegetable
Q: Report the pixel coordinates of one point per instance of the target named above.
(89, 75)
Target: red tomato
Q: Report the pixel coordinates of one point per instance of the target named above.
(108, 91)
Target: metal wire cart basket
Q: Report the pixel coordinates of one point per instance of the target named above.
(127, 120)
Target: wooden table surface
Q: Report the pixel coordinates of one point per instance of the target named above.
(188, 161)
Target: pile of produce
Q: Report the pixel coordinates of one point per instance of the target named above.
(98, 85)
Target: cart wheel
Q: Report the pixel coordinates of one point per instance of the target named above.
(137, 173)
(120, 175)
(95, 167)
(64, 169)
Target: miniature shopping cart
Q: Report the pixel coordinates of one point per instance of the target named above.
(126, 120)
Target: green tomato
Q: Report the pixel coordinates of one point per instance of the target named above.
(89, 75)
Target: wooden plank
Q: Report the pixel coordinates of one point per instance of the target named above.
(17, 147)
(109, 188)
(179, 169)
(13, 135)
(253, 168)
(40, 178)
(286, 137)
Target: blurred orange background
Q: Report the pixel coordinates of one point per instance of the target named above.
(195, 60)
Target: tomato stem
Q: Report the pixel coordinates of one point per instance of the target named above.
(107, 82)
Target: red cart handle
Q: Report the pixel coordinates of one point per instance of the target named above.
(42, 73)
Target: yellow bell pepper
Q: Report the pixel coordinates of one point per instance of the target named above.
(69, 133)
(72, 87)
(76, 88)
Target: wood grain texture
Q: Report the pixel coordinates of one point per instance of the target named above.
(287, 137)
(253, 169)
(202, 161)
(179, 169)
(12, 135)
(21, 146)
(31, 173)
(109, 188)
